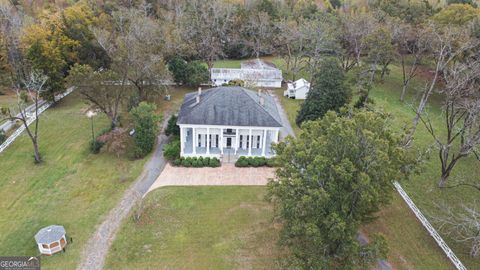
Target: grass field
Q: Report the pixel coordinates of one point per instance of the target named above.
(198, 228)
(73, 187)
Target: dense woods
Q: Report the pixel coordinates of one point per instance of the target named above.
(122, 54)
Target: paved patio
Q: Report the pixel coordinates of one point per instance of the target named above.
(226, 175)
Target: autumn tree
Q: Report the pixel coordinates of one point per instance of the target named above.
(457, 14)
(50, 51)
(332, 180)
(101, 88)
(33, 87)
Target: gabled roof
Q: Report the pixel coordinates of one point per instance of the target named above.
(229, 106)
(298, 84)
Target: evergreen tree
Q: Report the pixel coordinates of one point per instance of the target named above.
(146, 121)
(329, 91)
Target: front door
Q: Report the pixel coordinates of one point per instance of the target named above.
(229, 142)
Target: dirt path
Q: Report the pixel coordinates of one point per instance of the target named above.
(287, 128)
(96, 249)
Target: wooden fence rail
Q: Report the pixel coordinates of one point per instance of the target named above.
(30, 120)
(458, 264)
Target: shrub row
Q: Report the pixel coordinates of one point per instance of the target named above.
(255, 162)
(197, 162)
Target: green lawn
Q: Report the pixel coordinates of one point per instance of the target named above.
(198, 228)
(72, 187)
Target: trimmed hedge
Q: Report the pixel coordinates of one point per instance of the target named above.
(197, 162)
(255, 162)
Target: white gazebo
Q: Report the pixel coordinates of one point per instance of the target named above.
(51, 239)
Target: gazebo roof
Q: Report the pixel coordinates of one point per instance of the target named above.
(50, 234)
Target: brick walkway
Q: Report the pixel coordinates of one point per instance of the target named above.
(226, 175)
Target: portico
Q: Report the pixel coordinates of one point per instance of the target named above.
(228, 121)
(215, 141)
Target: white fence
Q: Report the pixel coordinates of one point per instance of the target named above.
(30, 120)
(458, 264)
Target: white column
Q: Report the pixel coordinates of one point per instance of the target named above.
(221, 140)
(276, 136)
(194, 135)
(182, 142)
(250, 142)
(208, 141)
(237, 140)
(264, 143)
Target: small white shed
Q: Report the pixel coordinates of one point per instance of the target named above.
(297, 89)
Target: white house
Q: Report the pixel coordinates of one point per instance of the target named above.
(253, 72)
(297, 89)
(228, 121)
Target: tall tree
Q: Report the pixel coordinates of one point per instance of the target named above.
(49, 50)
(135, 43)
(101, 88)
(461, 112)
(447, 44)
(204, 25)
(329, 91)
(33, 88)
(333, 179)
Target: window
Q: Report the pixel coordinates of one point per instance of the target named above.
(229, 130)
(210, 140)
(199, 140)
(258, 141)
(216, 140)
(248, 141)
(241, 141)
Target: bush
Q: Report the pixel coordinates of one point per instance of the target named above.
(187, 162)
(171, 151)
(272, 162)
(177, 162)
(261, 161)
(145, 120)
(194, 163)
(200, 160)
(241, 162)
(172, 127)
(214, 162)
(206, 162)
(3, 136)
(253, 161)
(197, 73)
(96, 146)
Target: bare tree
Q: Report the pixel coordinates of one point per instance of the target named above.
(101, 88)
(461, 113)
(463, 225)
(136, 46)
(258, 32)
(447, 45)
(203, 26)
(351, 32)
(33, 87)
(412, 47)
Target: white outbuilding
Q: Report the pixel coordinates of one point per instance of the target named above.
(51, 239)
(297, 89)
(257, 73)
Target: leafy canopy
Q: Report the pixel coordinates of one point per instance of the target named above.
(329, 91)
(332, 179)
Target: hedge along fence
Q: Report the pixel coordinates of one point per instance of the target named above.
(30, 120)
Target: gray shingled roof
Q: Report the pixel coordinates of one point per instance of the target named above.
(229, 106)
(50, 234)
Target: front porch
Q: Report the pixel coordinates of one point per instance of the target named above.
(227, 142)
